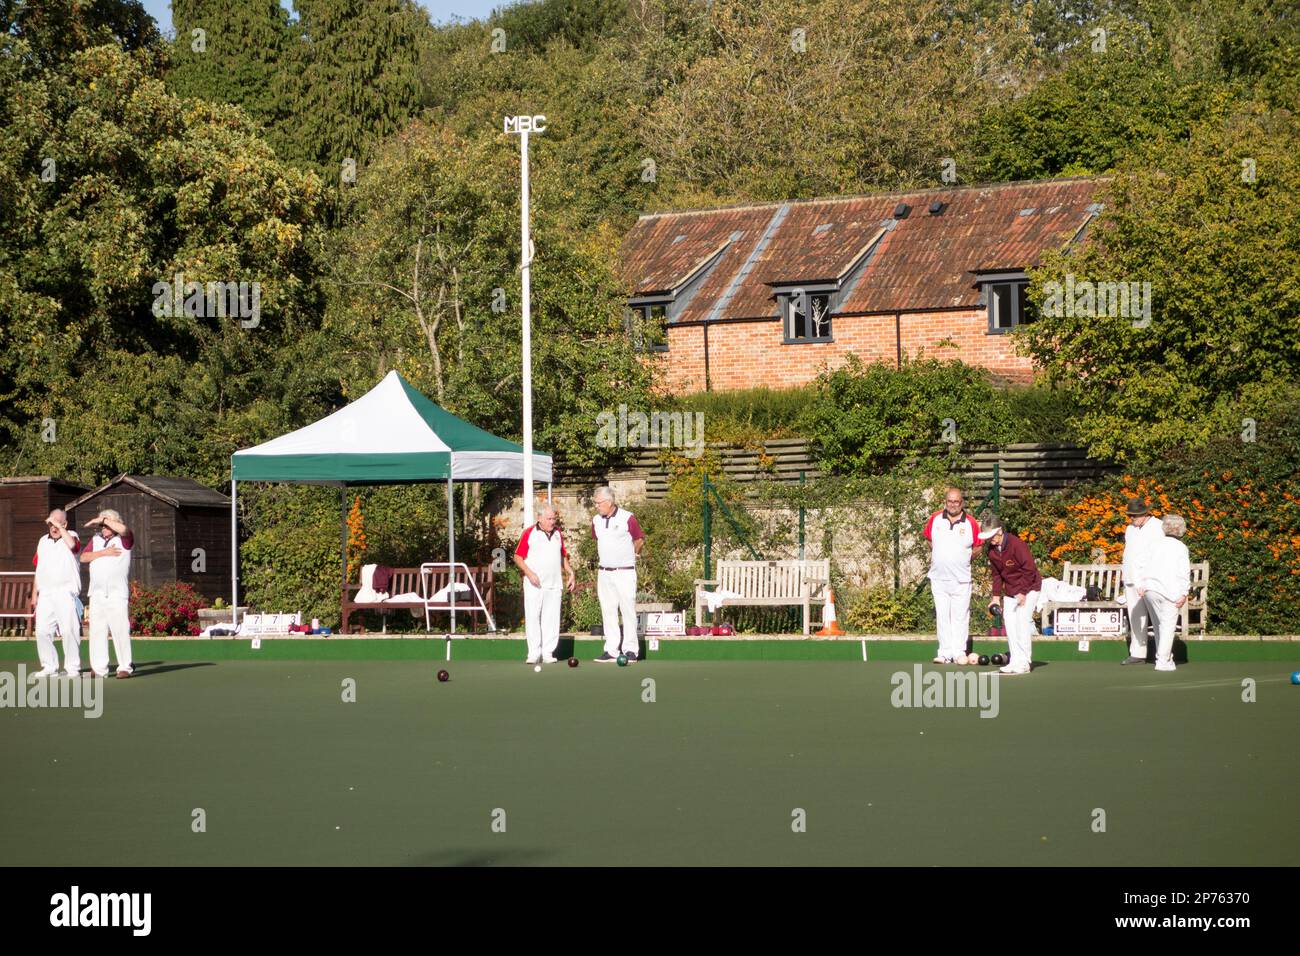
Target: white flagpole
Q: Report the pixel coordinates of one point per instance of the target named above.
(527, 253)
(523, 125)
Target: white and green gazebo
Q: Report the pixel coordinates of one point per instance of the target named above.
(391, 435)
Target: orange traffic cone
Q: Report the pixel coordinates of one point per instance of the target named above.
(830, 623)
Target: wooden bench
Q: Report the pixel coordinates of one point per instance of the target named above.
(16, 589)
(790, 583)
(1107, 578)
(418, 581)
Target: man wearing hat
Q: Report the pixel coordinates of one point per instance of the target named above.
(1141, 540)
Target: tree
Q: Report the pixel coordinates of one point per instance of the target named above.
(236, 51)
(1210, 225)
(426, 281)
(112, 186)
(356, 77)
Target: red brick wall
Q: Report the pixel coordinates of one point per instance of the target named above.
(751, 354)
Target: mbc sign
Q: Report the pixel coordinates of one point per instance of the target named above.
(525, 124)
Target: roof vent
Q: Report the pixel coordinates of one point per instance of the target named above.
(678, 239)
(822, 228)
(937, 207)
(901, 210)
(1029, 212)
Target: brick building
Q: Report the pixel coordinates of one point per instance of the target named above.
(770, 294)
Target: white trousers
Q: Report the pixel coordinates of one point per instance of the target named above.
(109, 617)
(617, 593)
(951, 617)
(1019, 621)
(1166, 615)
(1139, 616)
(541, 620)
(57, 611)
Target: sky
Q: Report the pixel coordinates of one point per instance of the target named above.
(440, 11)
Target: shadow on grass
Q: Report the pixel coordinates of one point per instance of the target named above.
(152, 668)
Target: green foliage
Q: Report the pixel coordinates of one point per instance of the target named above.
(758, 412)
(580, 23)
(1219, 254)
(140, 188)
(867, 414)
(881, 610)
(241, 58)
(1087, 118)
(426, 283)
(1040, 414)
(855, 103)
(1241, 501)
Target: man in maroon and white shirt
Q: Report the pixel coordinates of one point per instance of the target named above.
(109, 556)
(544, 561)
(953, 535)
(618, 543)
(55, 597)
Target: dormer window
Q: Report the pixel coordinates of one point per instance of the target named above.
(807, 316)
(646, 324)
(1007, 299)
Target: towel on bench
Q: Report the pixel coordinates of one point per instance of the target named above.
(713, 599)
(444, 596)
(367, 593)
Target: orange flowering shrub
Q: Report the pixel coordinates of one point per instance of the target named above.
(1241, 503)
(356, 539)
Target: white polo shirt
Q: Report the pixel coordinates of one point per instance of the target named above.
(1139, 545)
(58, 569)
(109, 577)
(951, 546)
(614, 536)
(544, 554)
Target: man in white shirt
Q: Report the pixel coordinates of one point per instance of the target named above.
(1140, 539)
(544, 561)
(953, 535)
(109, 556)
(1166, 585)
(618, 544)
(55, 596)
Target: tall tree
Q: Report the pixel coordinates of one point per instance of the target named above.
(235, 51)
(356, 76)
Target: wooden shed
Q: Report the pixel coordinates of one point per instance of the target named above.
(25, 503)
(182, 529)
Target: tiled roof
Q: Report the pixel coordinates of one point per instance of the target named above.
(923, 262)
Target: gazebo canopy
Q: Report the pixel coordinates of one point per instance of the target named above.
(391, 434)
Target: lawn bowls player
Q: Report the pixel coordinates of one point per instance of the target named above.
(1140, 539)
(953, 535)
(55, 598)
(618, 544)
(109, 556)
(1016, 583)
(1166, 584)
(544, 561)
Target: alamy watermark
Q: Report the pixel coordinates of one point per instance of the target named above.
(946, 689)
(22, 690)
(1129, 300)
(176, 297)
(636, 429)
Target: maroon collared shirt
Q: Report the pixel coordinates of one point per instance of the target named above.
(1014, 570)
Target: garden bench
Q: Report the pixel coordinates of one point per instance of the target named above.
(1107, 578)
(16, 589)
(789, 583)
(427, 580)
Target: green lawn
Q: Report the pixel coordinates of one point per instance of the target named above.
(710, 773)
